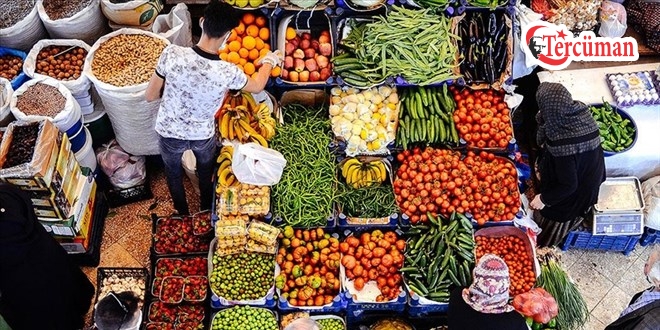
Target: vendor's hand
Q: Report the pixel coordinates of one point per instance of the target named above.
(536, 203)
(273, 58)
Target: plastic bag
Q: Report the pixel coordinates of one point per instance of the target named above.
(537, 304)
(123, 170)
(612, 20)
(70, 112)
(25, 33)
(257, 165)
(303, 324)
(77, 86)
(133, 118)
(175, 26)
(523, 64)
(651, 193)
(87, 25)
(5, 98)
(132, 13)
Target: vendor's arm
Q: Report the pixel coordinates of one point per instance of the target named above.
(257, 84)
(157, 83)
(565, 183)
(155, 88)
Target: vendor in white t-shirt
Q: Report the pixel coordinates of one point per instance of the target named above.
(192, 82)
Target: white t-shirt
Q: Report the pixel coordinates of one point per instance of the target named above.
(196, 82)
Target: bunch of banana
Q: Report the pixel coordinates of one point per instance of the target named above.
(241, 118)
(359, 174)
(265, 123)
(226, 177)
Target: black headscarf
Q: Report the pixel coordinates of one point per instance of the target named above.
(17, 225)
(566, 127)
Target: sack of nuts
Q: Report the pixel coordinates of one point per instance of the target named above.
(61, 59)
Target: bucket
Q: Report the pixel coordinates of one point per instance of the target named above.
(79, 139)
(85, 101)
(86, 156)
(71, 124)
(189, 164)
(98, 124)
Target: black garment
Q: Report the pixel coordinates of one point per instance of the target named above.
(39, 287)
(461, 316)
(569, 185)
(646, 317)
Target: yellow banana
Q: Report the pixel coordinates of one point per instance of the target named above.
(349, 162)
(260, 140)
(231, 180)
(223, 177)
(224, 126)
(249, 99)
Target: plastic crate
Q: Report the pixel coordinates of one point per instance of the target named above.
(357, 309)
(650, 236)
(338, 305)
(271, 302)
(583, 239)
(278, 222)
(155, 254)
(105, 272)
(419, 310)
(342, 223)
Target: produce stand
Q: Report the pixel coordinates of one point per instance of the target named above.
(415, 121)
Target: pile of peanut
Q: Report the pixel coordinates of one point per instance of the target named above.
(66, 66)
(127, 59)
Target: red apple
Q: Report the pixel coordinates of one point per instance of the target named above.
(314, 76)
(289, 48)
(288, 62)
(305, 43)
(306, 36)
(285, 74)
(295, 42)
(310, 52)
(298, 65)
(299, 53)
(325, 73)
(325, 49)
(310, 64)
(304, 76)
(293, 76)
(315, 45)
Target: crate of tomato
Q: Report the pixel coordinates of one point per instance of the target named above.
(515, 248)
(439, 181)
(370, 271)
(308, 271)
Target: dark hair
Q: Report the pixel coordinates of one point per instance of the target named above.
(219, 18)
(109, 313)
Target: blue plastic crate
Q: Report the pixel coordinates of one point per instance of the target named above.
(278, 222)
(583, 239)
(417, 309)
(338, 305)
(271, 303)
(356, 309)
(650, 236)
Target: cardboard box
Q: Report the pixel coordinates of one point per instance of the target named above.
(36, 175)
(63, 166)
(70, 225)
(80, 243)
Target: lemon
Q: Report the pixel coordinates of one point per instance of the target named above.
(242, 3)
(375, 145)
(363, 134)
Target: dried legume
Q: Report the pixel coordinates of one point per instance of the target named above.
(59, 9)
(67, 66)
(41, 100)
(127, 59)
(10, 66)
(12, 11)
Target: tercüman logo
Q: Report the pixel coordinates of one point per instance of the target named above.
(554, 47)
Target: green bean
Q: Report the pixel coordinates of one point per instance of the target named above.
(367, 202)
(305, 194)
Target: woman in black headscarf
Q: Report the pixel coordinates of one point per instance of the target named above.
(572, 165)
(39, 286)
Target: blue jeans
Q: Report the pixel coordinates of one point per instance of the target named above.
(171, 150)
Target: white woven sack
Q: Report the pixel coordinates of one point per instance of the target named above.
(133, 118)
(87, 25)
(70, 112)
(78, 86)
(651, 193)
(5, 98)
(175, 26)
(25, 33)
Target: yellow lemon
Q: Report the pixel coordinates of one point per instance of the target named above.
(242, 3)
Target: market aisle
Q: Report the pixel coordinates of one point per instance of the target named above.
(607, 280)
(127, 232)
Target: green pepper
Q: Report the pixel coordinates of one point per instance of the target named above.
(552, 323)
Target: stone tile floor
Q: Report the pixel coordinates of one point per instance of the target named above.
(607, 280)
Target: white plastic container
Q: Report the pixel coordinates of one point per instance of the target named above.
(86, 156)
